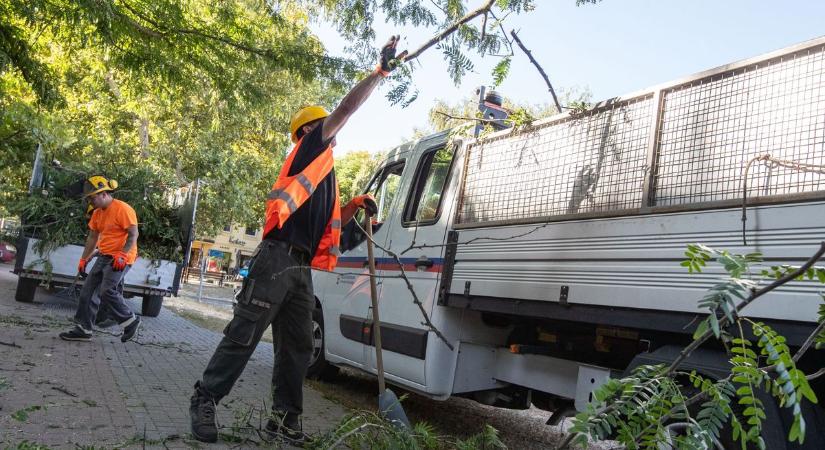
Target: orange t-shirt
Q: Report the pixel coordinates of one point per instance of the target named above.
(112, 224)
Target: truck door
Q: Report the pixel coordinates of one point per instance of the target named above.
(416, 220)
(346, 300)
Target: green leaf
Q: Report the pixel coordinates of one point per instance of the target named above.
(701, 329)
(714, 324)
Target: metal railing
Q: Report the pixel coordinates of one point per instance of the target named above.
(676, 145)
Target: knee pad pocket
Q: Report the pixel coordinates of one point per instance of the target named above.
(243, 326)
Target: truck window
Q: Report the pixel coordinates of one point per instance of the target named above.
(384, 187)
(424, 204)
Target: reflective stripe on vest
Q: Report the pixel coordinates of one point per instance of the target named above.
(290, 192)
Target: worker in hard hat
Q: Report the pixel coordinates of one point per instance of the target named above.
(113, 229)
(302, 229)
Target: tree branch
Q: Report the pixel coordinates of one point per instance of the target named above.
(449, 30)
(479, 119)
(722, 323)
(541, 71)
(808, 342)
(427, 322)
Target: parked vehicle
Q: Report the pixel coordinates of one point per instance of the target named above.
(151, 279)
(549, 256)
(7, 252)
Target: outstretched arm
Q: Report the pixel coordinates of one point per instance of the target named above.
(359, 94)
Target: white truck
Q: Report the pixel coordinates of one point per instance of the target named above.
(549, 257)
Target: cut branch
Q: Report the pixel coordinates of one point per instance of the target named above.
(808, 342)
(427, 322)
(486, 7)
(538, 66)
(724, 321)
(478, 119)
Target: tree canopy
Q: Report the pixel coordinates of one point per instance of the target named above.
(195, 89)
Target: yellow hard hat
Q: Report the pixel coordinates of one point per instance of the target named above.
(304, 116)
(98, 183)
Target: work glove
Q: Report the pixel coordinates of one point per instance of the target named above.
(367, 203)
(81, 266)
(119, 261)
(388, 59)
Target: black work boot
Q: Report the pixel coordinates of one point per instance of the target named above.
(76, 334)
(286, 427)
(129, 331)
(202, 413)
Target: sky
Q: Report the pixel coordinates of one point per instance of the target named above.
(612, 48)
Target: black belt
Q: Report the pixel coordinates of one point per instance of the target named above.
(296, 252)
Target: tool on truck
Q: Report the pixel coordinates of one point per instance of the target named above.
(548, 257)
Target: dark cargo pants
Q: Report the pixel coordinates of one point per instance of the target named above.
(107, 282)
(277, 292)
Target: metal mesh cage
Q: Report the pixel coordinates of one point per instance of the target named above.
(706, 131)
(591, 163)
(713, 127)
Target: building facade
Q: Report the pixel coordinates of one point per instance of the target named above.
(227, 252)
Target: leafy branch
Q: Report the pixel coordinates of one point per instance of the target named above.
(639, 407)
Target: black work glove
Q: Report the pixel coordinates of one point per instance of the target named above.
(367, 203)
(388, 59)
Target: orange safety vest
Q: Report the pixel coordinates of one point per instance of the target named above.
(290, 192)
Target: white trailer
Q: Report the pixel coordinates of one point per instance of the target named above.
(150, 279)
(549, 257)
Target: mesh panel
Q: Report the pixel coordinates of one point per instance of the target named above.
(713, 127)
(592, 163)
(709, 130)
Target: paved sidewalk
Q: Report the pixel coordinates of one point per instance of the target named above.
(107, 393)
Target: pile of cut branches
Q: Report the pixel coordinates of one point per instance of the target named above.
(56, 212)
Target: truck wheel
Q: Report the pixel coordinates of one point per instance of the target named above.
(151, 305)
(25, 289)
(319, 368)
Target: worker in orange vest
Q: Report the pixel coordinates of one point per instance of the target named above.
(302, 230)
(113, 229)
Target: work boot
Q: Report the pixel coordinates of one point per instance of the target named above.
(76, 334)
(130, 330)
(202, 414)
(287, 427)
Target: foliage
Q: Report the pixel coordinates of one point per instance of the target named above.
(27, 445)
(637, 409)
(501, 70)
(353, 172)
(182, 90)
(198, 90)
(445, 115)
(56, 213)
(365, 429)
(477, 38)
(22, 415)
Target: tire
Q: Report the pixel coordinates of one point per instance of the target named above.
(319, 368)
(151, 305)
(25, 289)
(771, 428)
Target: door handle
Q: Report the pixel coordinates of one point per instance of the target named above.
(424, 262)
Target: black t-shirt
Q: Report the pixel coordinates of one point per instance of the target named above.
(307, 224)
